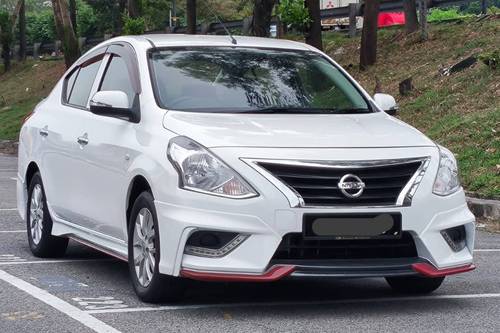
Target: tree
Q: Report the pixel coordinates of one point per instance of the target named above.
(134, 9)
(191, 16)
(261, 21)
(72, 14)
(22, 31)
(368, 52)
(313, 33)
(6, 37)
(411, 20)
(65, 32)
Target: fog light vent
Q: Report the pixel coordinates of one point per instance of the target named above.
(455, 237)
(215, 244)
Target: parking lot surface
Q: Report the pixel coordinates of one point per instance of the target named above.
(87, 291)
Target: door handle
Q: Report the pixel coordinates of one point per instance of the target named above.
(44, 132)
(83, 140)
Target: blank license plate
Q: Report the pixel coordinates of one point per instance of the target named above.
(352, 226)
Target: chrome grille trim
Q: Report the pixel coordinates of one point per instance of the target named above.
(296, 201)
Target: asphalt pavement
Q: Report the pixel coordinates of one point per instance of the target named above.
(87, 291)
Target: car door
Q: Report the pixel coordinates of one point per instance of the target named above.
(112, 143)
(62, 162)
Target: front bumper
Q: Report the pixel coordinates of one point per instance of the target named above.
(353, 269)
(269, 217)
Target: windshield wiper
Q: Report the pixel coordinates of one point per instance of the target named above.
(308, 110)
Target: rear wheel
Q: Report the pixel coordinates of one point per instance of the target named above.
(39, 223)
(144, 255)
(414, 284)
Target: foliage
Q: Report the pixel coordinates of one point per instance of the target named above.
(85, 19)
(437, 14)
(133, 26)
(474, 7)
(6, 37)
(40, 26)
(294, 14)
(491, 59)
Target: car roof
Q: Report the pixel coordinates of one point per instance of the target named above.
(167, 40)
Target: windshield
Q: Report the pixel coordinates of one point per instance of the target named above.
(225, 79)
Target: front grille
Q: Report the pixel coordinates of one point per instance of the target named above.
(295, 247)
(318, 184)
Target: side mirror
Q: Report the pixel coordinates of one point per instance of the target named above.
(112, 104)
(386, 103)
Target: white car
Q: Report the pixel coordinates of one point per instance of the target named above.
(202, 157)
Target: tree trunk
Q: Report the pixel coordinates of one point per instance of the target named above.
(117, 20)
(133, 9)
(411, 20)
(313, 33)
(262, 12)
(65, 32)
(72, 14)
(191, 16)
(423, 20)
(368, 52)
(22, 31)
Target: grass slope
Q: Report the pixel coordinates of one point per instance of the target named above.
(460, 111)
(21, 89)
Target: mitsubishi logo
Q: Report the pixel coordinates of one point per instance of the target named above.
(351, 186)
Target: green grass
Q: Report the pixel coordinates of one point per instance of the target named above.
(11, 118)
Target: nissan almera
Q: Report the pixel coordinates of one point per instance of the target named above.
(193, 157)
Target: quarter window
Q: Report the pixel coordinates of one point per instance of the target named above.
(79, 94)
(117, 78)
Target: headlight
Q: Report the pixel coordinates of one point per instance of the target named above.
(447, 176)
(201, 171)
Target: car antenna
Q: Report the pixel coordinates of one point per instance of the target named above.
(233, 40)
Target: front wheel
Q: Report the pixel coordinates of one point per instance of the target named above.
(144, 255)
(39, 223)
(414, 284)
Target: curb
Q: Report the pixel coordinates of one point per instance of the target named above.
(489, 209)
(8, 147)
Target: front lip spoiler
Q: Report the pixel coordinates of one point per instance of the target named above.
(277, 272)
(274, 273)
(429, 270)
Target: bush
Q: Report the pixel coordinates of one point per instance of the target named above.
(133, 26)
(85, 19)
(294, 14)
(40, 27)
(437, 15)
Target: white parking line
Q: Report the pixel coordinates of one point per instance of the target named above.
(331, 302)
(7, 209)
(58, 304)
(11, 231)
(487, 250)
(62, 261)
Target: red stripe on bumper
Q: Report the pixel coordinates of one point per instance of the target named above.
(273, 274)
(431, 271)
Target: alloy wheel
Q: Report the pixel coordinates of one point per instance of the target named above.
(144, 247)
(36, 214)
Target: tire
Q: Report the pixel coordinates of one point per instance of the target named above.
(149, 285)
(414, 284)
(39, 223)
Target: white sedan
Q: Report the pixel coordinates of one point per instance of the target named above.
(249, 160)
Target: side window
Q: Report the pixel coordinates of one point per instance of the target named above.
(117, 78)
(70, 82)
(83, 82)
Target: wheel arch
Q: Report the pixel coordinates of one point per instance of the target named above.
(137, 185)
(30, 172)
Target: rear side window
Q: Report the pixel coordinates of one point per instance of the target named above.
(83, 81)
(118, 78)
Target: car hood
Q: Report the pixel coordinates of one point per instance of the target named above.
(294, 130)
